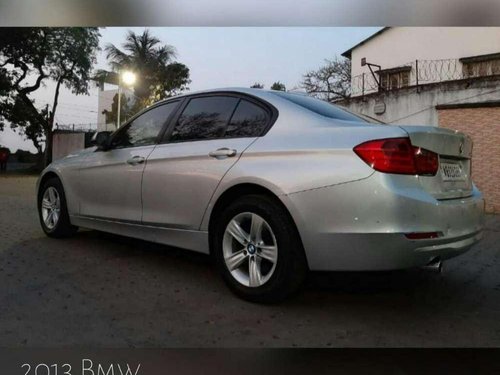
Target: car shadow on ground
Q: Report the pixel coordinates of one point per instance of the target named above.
(134, 246)
(97, 287)
(369, 282)
(365, 282)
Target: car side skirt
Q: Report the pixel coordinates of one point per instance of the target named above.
(178, 237)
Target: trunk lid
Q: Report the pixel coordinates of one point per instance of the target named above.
(453, 179)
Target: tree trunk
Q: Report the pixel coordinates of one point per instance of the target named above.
(50, 126)
(48, 147)
(40, 157)
(39, 161)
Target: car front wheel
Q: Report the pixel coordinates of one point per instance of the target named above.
(258, 250)
(52, 210)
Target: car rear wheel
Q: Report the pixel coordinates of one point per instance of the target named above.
(258, 250)
(52, 210)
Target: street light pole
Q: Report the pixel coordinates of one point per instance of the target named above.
(128, 78)
(119, 100)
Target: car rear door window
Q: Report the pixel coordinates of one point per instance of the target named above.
(204, 118)
(249, 120)
(144, 130)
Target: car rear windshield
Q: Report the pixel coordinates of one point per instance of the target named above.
(324, 108)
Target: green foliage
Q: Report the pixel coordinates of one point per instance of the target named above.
(158, 75)
(29, 57)
(25, 156)
(278, 86)
(257, 85)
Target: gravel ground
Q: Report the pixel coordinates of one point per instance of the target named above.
(102, 290)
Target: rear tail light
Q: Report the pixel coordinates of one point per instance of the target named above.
(398, 155)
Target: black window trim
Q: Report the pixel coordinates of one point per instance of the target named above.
(272, 114)
(128, 123)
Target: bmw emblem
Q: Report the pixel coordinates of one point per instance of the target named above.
(251, 249)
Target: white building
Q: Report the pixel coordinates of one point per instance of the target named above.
(446, 50)
(104, 104)
(441, 76)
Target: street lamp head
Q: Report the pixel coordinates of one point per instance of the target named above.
(128, 78)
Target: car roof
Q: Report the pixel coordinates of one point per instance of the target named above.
(245, 90)
(265, 94)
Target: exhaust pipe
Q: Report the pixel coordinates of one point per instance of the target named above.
(434, 265)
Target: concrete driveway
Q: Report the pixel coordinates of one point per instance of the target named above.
(108, 291)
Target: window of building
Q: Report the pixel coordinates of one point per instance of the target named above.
(481, 66)
(395, 78)
(145, 129)
(204, 118)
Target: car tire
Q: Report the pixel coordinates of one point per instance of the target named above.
(285, 276)
(62, 227)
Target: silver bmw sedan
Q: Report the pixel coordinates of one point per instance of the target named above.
(271, 184)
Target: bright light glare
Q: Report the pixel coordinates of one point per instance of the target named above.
(128, 78)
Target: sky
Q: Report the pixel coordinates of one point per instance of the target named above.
(216, 57)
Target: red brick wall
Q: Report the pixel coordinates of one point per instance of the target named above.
(483, 125)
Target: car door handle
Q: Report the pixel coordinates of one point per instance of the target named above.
(222, 153)
(135, 160)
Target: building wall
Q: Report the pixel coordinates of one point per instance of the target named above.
(483, 125)
(66, 143)
(412, 106)
(400, 45)
(105, 102)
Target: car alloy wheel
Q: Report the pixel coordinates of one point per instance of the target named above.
(250, 249)
(51, 207)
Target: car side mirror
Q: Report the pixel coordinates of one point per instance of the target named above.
(102, 140)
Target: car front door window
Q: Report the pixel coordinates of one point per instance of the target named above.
(144, 130)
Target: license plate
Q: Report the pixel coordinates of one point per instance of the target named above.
(452, 172)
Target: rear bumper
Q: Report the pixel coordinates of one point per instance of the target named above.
(361, 225)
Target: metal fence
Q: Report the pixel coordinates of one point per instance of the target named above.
(421, 72)
(77, 128)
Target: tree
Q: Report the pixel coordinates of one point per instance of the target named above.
(31, 56)
(330, 82)
(278, 86)
(159, 76)
(257, 85)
